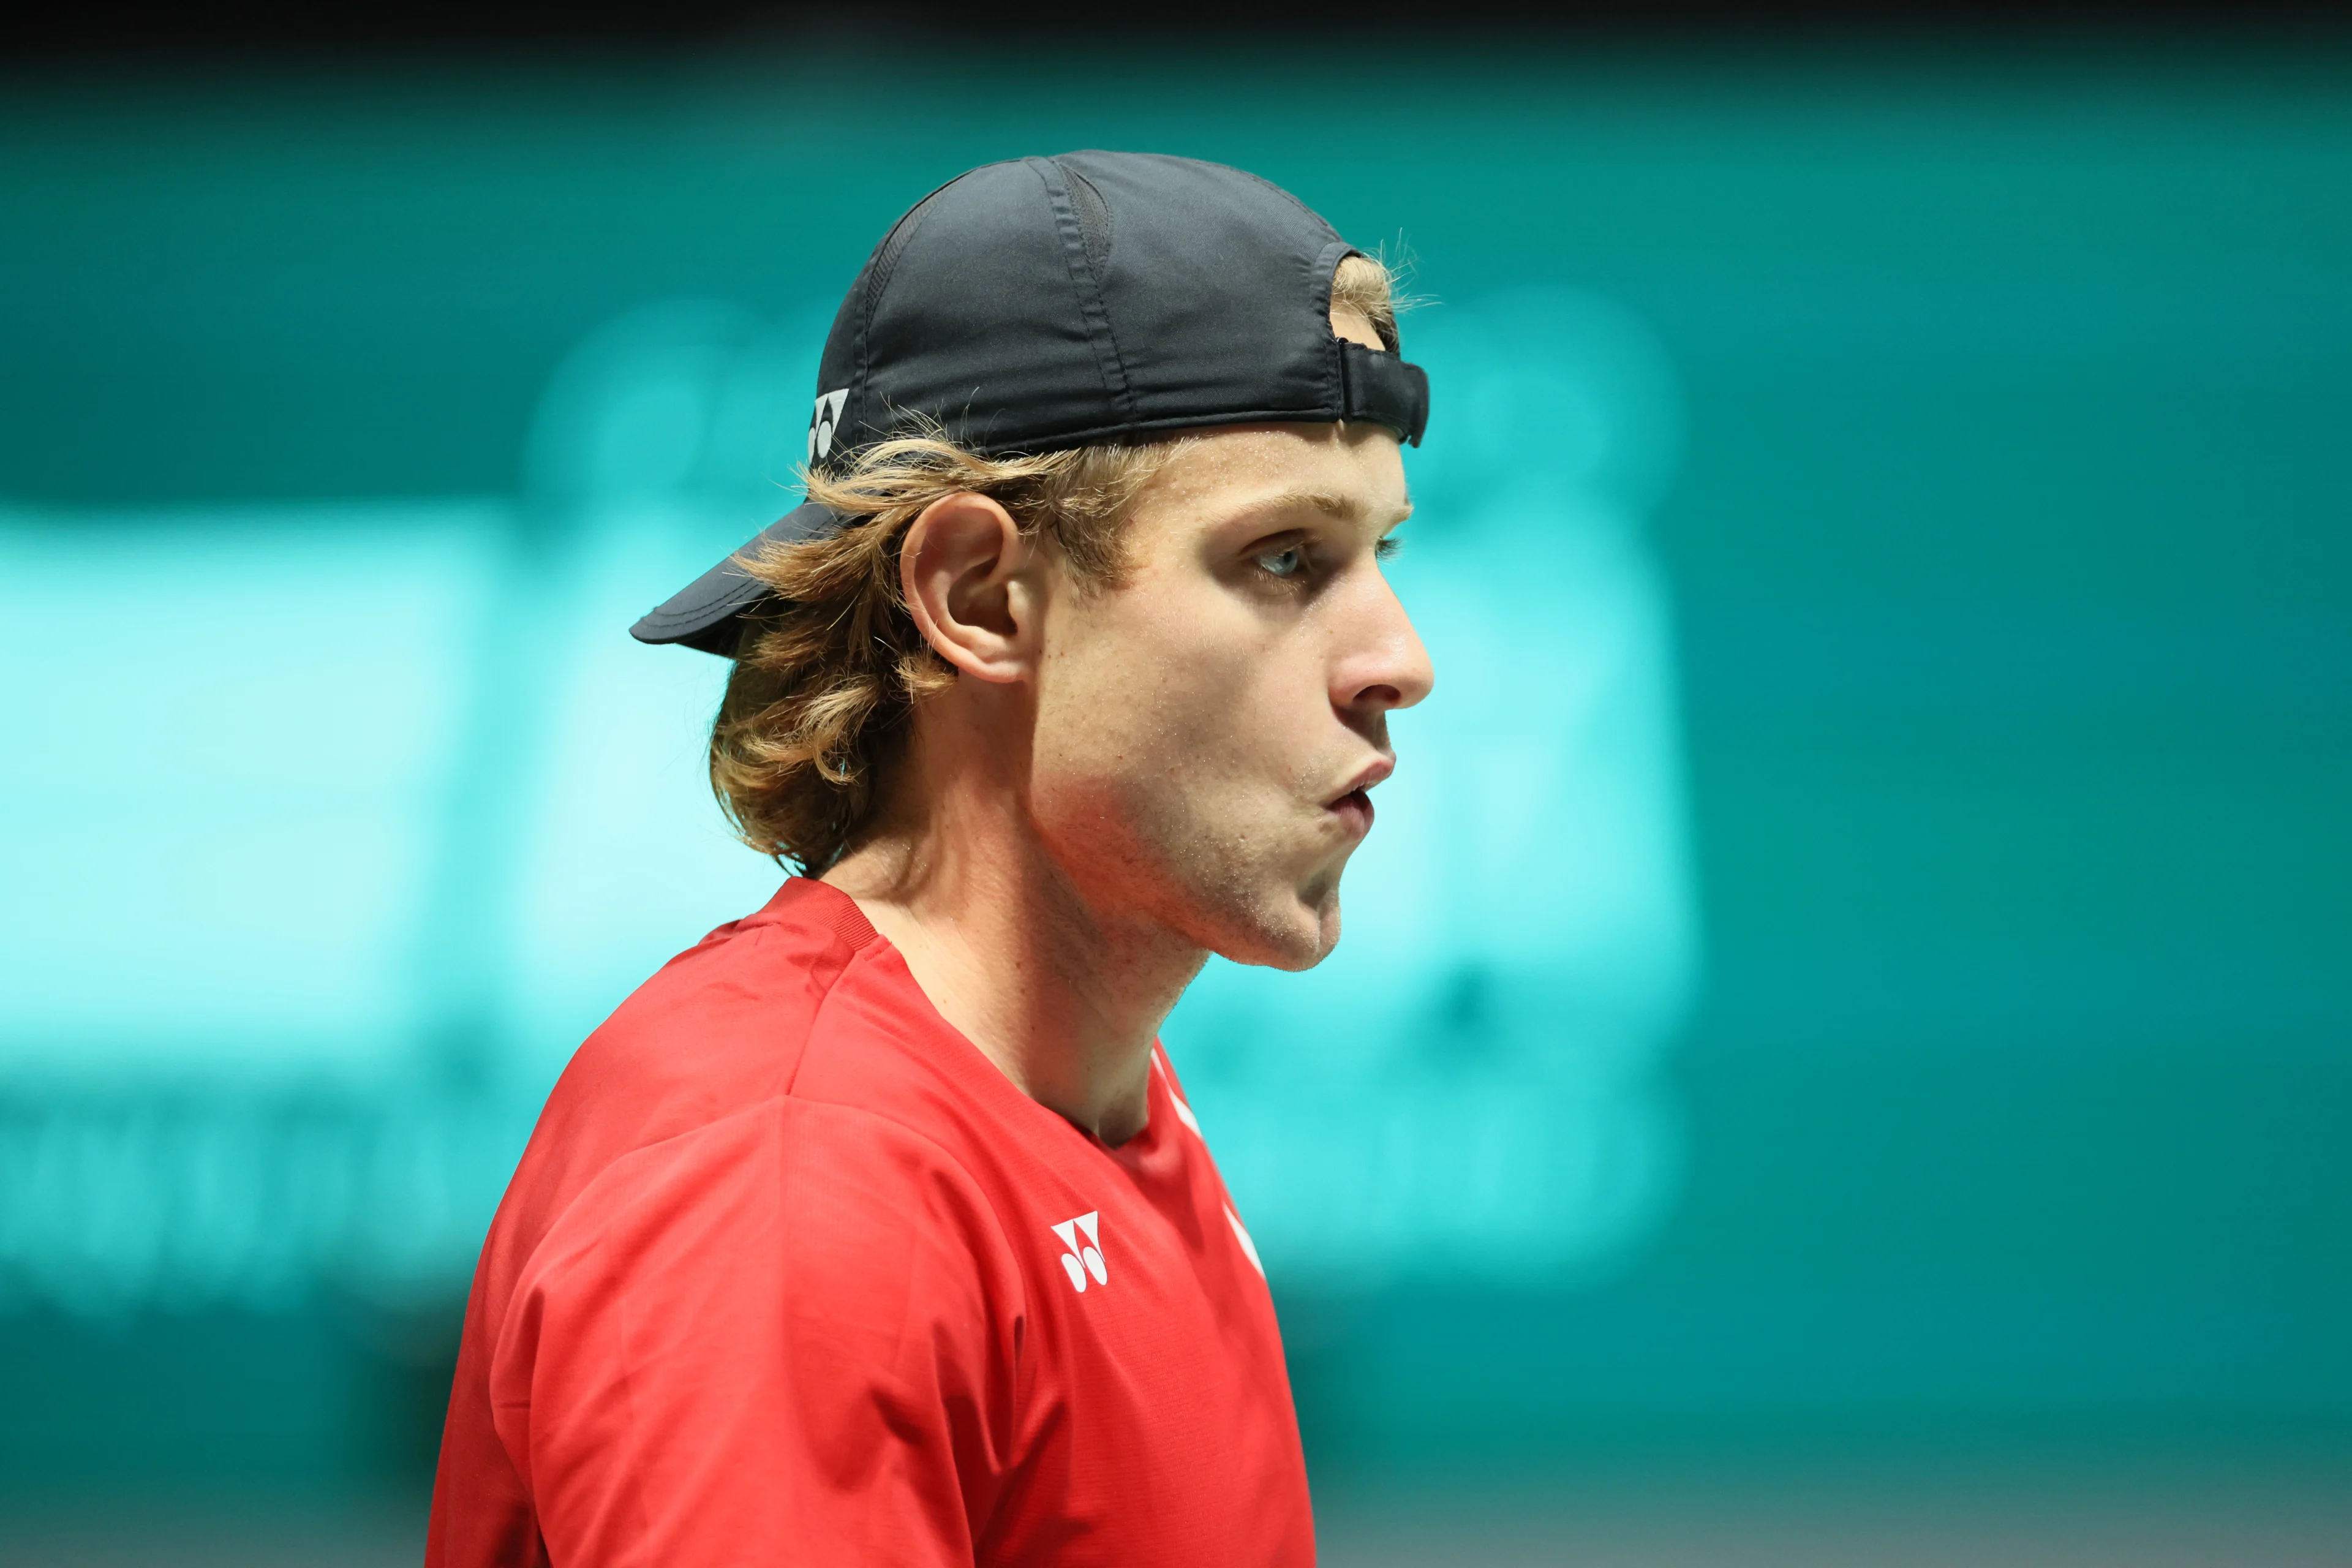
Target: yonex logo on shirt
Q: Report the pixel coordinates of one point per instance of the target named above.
(1078, 1261)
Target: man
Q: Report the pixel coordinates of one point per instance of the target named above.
(876, 1228)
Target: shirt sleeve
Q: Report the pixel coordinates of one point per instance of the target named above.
(791, 1337)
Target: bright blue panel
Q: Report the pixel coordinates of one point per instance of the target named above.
(230, 733)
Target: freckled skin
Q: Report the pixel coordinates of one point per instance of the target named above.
(1195, 723)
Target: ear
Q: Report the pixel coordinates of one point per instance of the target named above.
(970, 583)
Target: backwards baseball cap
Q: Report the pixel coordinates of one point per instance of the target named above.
(1046, 303)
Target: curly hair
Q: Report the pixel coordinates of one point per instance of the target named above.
(825, 677)
(829, 671)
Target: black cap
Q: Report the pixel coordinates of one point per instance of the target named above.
(1047, 303)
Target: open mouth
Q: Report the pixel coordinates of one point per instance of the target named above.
(1355, 807)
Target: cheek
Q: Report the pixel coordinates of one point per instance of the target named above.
(1172, 766)
(1169, 707)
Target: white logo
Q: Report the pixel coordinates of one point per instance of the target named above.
(823, 421)
(1078, 1261)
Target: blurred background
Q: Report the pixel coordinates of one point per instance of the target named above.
(1843, 1051)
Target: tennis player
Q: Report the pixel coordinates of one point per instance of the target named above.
(875, 1228)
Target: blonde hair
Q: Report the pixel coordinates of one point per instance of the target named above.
(1369, 287)
(829, 670)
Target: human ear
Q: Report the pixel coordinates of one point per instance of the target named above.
(967, 573)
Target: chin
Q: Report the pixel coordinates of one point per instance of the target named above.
(1290, 929)
(1274, 916)
(1191, 872)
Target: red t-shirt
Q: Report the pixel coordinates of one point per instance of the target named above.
(791, 1274)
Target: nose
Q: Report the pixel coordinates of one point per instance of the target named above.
(1381, 664)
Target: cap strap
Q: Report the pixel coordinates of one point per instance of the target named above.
(1383, 389)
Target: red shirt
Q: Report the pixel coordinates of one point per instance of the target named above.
(791, 1274)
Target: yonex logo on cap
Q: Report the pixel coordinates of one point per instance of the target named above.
(1078, 1260)
(823, 422)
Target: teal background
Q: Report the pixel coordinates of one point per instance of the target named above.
(2009, 564)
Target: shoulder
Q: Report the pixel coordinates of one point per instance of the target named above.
(801, 1173)
(856, 1237)
(719, 1030)
(739, 1000)
(799, 1321)
(719, 1027)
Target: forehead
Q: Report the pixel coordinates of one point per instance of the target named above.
(1354, 475)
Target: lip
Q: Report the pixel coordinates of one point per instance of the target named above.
(1379, 768)
(1353, 806)
(1354, 810)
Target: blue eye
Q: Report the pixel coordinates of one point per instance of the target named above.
(1283, 562)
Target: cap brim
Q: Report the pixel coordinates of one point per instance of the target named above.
(702, 614)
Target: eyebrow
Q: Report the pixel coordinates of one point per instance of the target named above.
(1331, 503)
(1328, 502)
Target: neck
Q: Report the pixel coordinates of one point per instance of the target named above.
(1064, 997)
